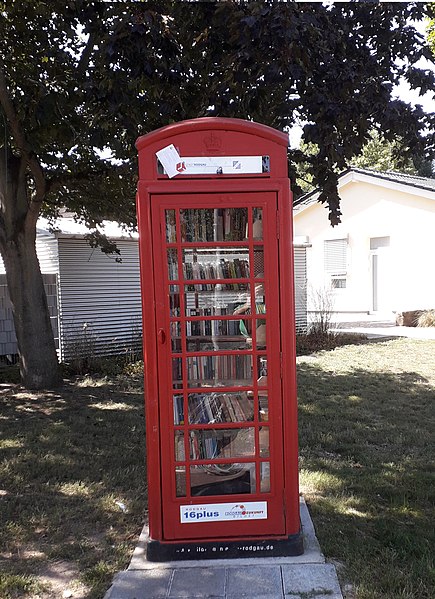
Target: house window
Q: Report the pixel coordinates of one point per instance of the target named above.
(335, 262)
(338, 283)
(379, 242)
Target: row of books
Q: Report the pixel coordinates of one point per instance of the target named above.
(216, 444)
(208, 224)
(209, 408)
(216, 328)
(212, 224)
(209, 302)
(218, 269)
(219, 368)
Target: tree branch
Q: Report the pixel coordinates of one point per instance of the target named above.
(21, 141)
(86, 54)
(65, 178)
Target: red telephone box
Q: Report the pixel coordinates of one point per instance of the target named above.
(214, 217)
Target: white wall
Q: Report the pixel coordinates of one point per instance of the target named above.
(370, 211)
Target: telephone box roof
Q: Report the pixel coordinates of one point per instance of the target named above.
(213, 123)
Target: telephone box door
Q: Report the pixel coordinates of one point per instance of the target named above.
(219, 349)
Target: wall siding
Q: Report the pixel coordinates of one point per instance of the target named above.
(46, 249)
(8, 339)
(95, 302)
(300, 261)
(100, 299)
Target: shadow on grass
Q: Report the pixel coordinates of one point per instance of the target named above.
(366, 449)
(73, 479)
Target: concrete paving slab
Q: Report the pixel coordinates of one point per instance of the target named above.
(262, 581)
(134, 585)
(255, 578)
(201, 582)
(312, 580)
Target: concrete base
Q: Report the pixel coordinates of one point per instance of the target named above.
(295, 577)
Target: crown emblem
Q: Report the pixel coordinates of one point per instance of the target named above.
(213, 142)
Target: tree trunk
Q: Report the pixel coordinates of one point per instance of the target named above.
(38, 360)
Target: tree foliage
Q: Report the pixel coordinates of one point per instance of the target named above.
(377, 154)
(383, 155)
(80, 76)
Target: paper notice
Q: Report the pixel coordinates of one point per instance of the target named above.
(171, 161)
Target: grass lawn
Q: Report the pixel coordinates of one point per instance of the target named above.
(367, 464)
(73, 488)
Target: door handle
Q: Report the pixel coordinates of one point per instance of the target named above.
(161, 336)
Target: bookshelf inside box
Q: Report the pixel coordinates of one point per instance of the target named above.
(215, 274)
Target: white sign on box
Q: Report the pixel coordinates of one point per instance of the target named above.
(174, 164)
(216, 512)
(170, 159)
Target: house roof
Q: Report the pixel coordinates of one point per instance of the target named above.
(413, 184)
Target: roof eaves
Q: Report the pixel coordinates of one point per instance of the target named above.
(403, 178)
(311, 197)
(396, 178)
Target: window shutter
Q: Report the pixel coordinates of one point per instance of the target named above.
(336, 256)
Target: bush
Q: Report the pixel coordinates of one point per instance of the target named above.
(314, 341)
(426, 319)
(104, 366)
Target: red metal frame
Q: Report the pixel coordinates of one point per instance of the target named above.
(157, 193)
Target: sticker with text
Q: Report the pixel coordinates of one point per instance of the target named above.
(215, 512)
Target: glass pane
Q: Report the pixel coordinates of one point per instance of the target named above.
(260, 298)
(257, 224)
(180, 454)
(260, 333)
(170, 226)
(174, 300)
(214, 224)
(264, 441)
(222, 443)
(180, 481)
(222, 479)
(216, 263)
(262, 371)
(263, 405)
(175, 328)
(218, 300)
(219, 371)
(258, 262)
(265, 477)
(215, 335)
(177, 373)
(178, 409)
(172, 264)
(207, 408)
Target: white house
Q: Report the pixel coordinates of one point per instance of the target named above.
(380, 259)
(95, 300)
